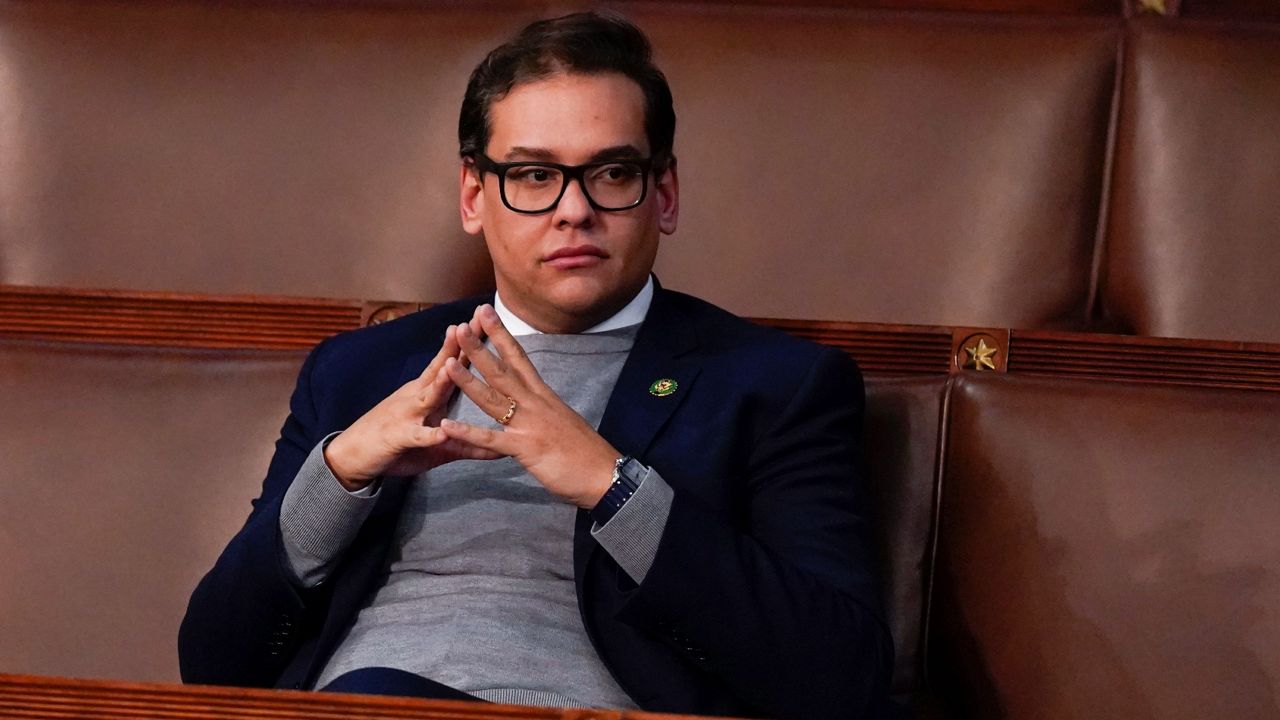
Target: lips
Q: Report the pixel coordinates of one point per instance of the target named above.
(579, 256)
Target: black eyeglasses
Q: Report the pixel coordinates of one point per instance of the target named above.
(536, 187)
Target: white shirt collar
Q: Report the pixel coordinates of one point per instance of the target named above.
(633, 313)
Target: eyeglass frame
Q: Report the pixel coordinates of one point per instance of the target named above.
(484, 164)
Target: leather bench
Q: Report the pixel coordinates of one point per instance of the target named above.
(865, 166)
(1076, 169)
(1044, 538)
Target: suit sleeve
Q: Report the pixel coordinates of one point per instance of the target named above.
(247, 612)
(782, 606)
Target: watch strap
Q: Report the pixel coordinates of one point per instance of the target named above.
(627, 475)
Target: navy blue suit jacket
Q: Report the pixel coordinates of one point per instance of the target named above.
(762, 598)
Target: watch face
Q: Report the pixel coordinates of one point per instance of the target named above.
(632, 470)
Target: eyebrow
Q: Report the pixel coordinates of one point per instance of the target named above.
(615, 152)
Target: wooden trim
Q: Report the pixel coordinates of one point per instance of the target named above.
(1022, 7)
(1235, 10)
(171, 320)
(896, 349)
(119, 317)
(45, 697)
(1166, 361)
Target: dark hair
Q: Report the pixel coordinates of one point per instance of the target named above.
(589, 43)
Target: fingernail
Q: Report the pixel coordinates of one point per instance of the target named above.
(464, 330)
(446, 422)
(489, 311)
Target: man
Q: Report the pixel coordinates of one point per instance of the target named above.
(585, 490)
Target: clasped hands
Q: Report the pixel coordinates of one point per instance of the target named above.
(407, 432)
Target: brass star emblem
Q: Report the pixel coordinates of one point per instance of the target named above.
(980, 356)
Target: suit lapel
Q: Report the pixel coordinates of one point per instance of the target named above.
(634, 416)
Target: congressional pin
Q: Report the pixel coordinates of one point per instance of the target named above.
(663, 387)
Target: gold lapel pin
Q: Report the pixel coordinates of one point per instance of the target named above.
(663, 387)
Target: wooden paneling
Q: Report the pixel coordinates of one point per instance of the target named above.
(1204, 363)
(1031, 7)
(172, 320)
(1028, 7)
(210, 321)
(896, 349)
(1233, 9)
(40, 697)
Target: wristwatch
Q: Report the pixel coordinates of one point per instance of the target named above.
(627, 474)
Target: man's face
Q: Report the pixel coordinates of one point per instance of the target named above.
(573, 266)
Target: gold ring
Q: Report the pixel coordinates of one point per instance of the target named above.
(511, 411)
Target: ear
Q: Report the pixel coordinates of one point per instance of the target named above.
(667, 189)
(471, 198)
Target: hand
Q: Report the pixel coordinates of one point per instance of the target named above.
(401, 434)
(544, 434)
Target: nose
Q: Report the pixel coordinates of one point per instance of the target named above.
(574, 210)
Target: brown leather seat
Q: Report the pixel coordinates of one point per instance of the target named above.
(127, 469)
(860, 165)
(1108, 551)
(901, 440)
(1195, 209)
(125, 472)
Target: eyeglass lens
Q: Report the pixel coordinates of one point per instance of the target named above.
(535, 188)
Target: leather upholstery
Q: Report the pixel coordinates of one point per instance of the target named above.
(865, 165)
(291, 149)
(82, 509)
(1108, 551)
(1104, 550)
(868, 165)
(901, 441)
(124, 473)
(861, 165)
(1196, 195)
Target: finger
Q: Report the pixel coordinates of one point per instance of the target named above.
(421, 436)
(430, 394)
(464, 451)
(509, 349)
(490, 401)
(484, 438)
(449, 349)
(441, 389)
(434, 437)
(490, 366)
